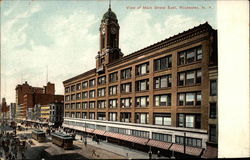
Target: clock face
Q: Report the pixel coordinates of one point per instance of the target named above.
(113, 30)
(103, 30)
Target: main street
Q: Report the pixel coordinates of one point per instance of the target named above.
(93, 150)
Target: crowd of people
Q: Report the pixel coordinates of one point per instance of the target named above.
(11, 147)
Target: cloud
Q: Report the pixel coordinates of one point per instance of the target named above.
(139, 28)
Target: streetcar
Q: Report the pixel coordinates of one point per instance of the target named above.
(62, 140)
(38, 135)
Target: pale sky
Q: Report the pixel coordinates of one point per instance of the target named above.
(64, 35)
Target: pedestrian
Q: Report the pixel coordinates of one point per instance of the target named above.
(93, 152)
(158, 153)
(85, 143)
(150, 154)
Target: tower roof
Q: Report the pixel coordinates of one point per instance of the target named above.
(109, 15)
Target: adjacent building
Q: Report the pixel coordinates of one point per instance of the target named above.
(160, 96)
(27, 97)
(56, 114)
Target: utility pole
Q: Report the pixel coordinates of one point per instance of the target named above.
(184, 142)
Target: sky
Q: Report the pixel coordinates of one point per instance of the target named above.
(63, 36)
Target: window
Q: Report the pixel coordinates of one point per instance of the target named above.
(101, 127)
(113, 90)
(142, 118)
(101, 104)
(78, 96)
(101, 116)
(162, 81)
(101, 80)
(189, 77)
(92, 94)
(213, 88)
(91, 104)
(84, 85)
(162, 100)
(101, 92)
(193, 142)
(190, 55)
(73, 97)
(112, 116)
(125, 117)
(142, 69)
(73, 88)
(73, 115)
(92, 83)
(162, 137)
(84, 105)
(67, 90)
(73, 106)
(189, 99)
(113, 77)
(113, 103)
(213, 108)
(143, 134)
(84, 115)
(142, 85)
(126, 73)
(212, 133)
(78, 115)
(84, 95)
(91, 115)
(78, 105)
(189, 120)
(67, 106)
(162, 119)
(67, 98)
(126, 87)
(126, 102)
(163, 63)
(142, 101)
(78, 86)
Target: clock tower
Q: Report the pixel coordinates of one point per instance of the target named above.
(109, 41)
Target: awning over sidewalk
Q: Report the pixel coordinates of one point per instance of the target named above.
(99, 132)
(159, 144)
(133, 139)
(89, 130)
(189, 150)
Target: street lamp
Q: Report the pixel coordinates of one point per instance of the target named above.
(85, 141)
(184, 139)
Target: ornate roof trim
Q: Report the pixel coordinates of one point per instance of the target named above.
(80, 75)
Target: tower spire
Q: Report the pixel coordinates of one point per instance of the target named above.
(109, 4)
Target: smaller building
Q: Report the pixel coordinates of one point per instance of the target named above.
(45, 113)
(12, 111)
(56, 113)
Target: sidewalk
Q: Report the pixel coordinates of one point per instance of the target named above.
(121, 150)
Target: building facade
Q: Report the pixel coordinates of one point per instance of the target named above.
(159, 93)
(27, 97)
(56, 113)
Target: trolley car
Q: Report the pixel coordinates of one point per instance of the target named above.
(63, 140)
(38, 135)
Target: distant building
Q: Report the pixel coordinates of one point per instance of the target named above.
(12, 111)
(56, 113)
(27, 97)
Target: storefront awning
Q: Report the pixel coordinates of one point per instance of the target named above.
(194, 151)
(159, 144)
(99, 132)
(89, 130)
(133, 139)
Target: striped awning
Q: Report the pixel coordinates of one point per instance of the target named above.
(99, 132)
(128, 138)
(189, 150)
(89, 130)
(159, 144)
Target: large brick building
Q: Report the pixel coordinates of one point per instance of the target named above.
(158, 96)
(28, 96)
